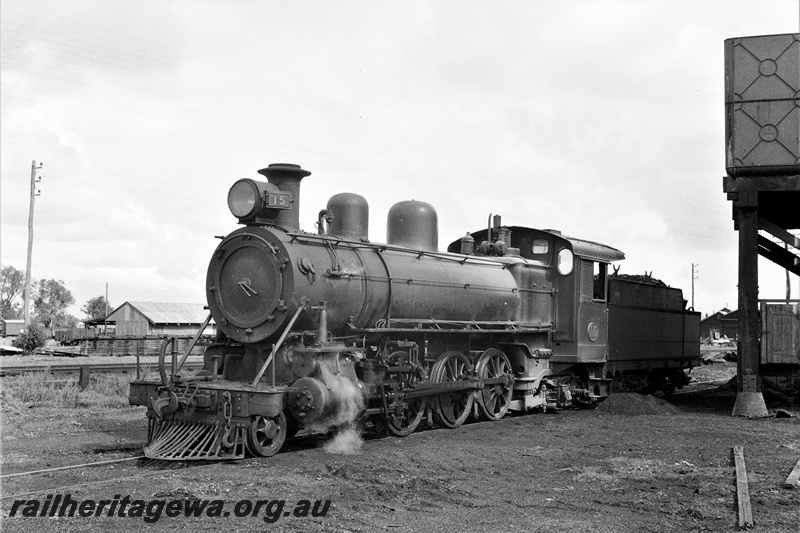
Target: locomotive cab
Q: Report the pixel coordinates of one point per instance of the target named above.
(580, 338)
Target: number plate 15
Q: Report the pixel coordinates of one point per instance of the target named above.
(279, 200)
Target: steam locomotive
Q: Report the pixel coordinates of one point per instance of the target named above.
(326, 330)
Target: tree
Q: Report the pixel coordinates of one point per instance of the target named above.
(69, 321)
(96, 307)
(30, 338)
(51, 302)
(12, 285)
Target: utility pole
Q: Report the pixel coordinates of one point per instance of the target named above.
(788, 280)
(34, 194)
(105, 317)
(694, 277)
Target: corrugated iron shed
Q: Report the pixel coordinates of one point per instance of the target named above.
(168, 313)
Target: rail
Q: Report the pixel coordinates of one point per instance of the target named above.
(76, 368)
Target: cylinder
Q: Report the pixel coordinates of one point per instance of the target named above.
(350, 216)
(414, 225)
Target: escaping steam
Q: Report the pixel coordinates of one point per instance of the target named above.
(347, 405)
(347, 441)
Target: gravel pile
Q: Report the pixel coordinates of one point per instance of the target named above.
(630, 403)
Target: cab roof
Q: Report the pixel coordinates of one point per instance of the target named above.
(589, 249)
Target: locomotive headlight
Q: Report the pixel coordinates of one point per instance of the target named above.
(244, 198)
(250, 199)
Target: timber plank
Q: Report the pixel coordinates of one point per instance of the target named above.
(742, 490)
(793, 481)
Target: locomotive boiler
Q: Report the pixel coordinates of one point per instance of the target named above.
(327, 330)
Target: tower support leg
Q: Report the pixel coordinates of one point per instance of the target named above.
(749, 400)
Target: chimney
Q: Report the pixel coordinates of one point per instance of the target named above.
(286, 177)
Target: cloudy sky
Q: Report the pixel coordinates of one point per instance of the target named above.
(604, 119)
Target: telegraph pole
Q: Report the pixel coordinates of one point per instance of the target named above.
(788, 279)
(694, 277)
(34, 194)
(105, 317)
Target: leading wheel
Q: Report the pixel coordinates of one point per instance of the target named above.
(266, 435)
(494, 399)
(453, 408)
(408, 417)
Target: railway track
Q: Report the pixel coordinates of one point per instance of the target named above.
(140, 467)
(119, 366)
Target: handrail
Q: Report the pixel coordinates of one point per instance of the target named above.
(162, 353)
(278, 344)
(193, 343)
(447, 256)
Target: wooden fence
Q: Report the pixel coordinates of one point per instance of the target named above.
(150, 345)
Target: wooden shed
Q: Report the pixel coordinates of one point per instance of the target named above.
(141, 319)
(780, 332)
(723, 323)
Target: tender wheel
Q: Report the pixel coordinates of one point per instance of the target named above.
(452, 409)
(495, 399)
(406, 421)
(266, 435)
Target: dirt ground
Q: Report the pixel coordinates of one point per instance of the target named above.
(611, 469)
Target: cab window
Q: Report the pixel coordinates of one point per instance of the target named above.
(600, 272)
(540, 246)
(565, 261)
